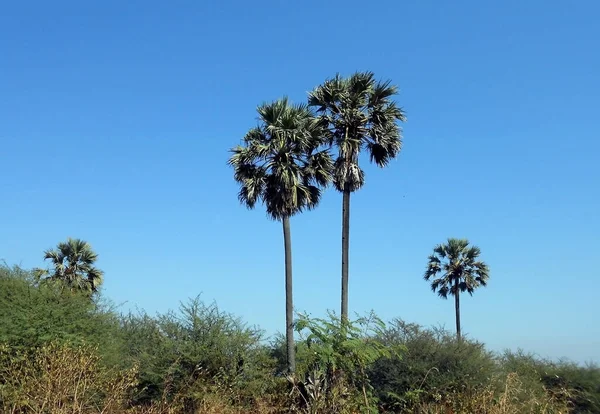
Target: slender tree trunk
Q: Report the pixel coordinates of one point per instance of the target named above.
(289, 302)
(345, 251)
(457, 307)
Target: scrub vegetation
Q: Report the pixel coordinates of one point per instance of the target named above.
(65, 349)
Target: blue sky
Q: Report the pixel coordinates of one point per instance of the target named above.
(116, 118)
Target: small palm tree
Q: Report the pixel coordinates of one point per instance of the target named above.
(359, 114)
(73, 265)
(282, 165)
(453, 268)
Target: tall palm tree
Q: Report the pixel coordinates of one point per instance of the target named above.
(359, 114)
(73, 264)
(281, 163)
(453, 268)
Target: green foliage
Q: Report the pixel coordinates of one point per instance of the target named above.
(336, 358)
(436, 370)
(199, 349)
(201, 358)
(32, 315)
(72, 267)
(348, 347)
(61, 352)
(580, 385)
(434, 364)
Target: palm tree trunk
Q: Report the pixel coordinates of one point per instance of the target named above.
(457, 307)
(345, 251)
(289, 302)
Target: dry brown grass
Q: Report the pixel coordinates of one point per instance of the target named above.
(514, 398)
(62, 379)
(211, 406)
(59, 379)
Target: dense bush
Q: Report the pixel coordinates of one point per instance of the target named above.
(433, 367)
(580, 385)
(33, 314)
(200, 349)
(335, 360)
(436, 369)
(66, 352)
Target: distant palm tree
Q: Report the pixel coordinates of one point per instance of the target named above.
(282, 165)
(73, 264)
(453, 268)
(359, 114)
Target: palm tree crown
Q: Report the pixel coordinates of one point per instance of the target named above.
(358, 113)
(73, 264)
(281, 163)
(454, 267)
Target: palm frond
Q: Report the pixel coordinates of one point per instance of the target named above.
(56, 256)
(382, 92)
(95, 277)
(327, 96)
(440, 250)
(443, 291)
(319, 168)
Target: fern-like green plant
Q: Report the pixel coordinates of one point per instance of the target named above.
(339, 355)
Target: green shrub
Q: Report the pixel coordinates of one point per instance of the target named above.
(579, 385)
(32, 315)
(196, 352)
(432, 366)
(201, 359)
(335, 359)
